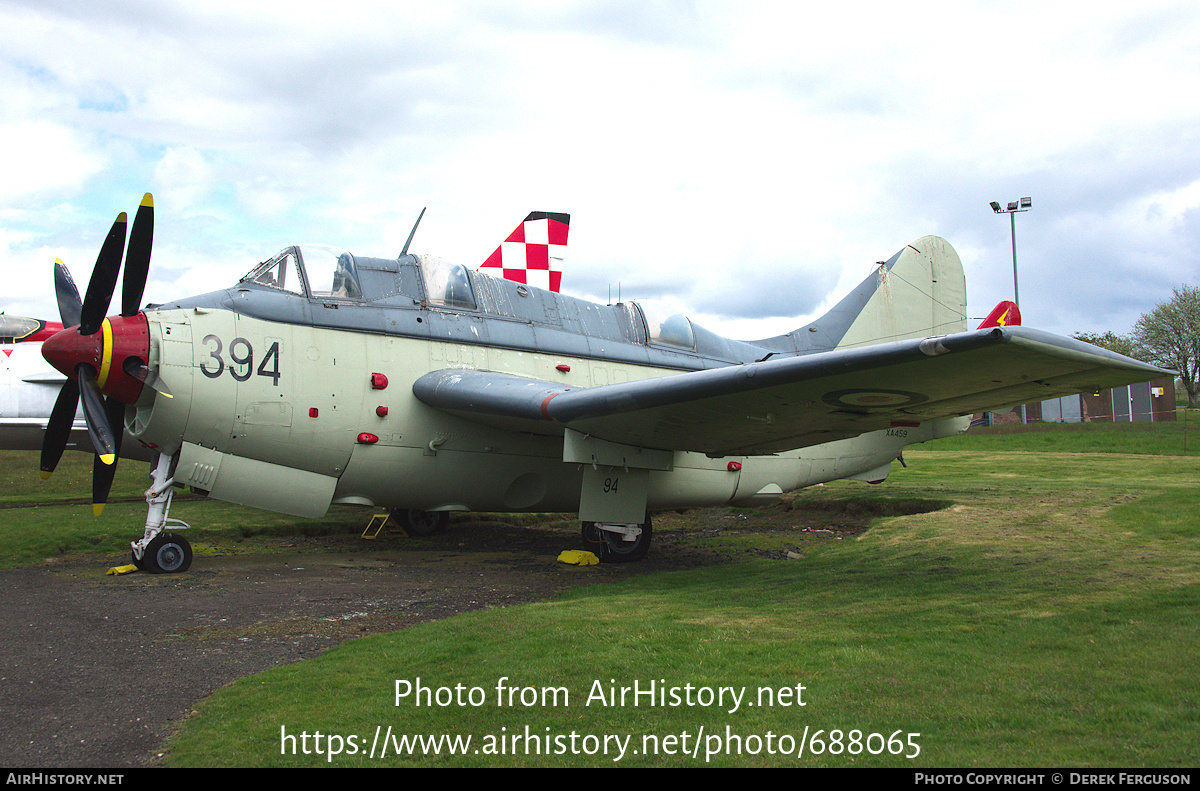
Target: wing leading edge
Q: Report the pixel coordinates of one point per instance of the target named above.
(789, 403)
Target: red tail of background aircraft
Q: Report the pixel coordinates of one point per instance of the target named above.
(1006, 314)
(533, 252)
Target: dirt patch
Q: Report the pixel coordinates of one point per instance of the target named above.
(98, 670)
(787, 528)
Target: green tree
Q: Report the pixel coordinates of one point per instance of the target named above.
(1169, 336)
(1121, 344)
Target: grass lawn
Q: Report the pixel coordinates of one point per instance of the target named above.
(1022, 599)
(1046, 616)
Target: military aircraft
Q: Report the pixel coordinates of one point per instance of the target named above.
(419, 386)
(532, 253)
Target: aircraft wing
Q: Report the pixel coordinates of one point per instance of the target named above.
(794, 402)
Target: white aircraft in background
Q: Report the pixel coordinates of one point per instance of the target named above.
(29, 386)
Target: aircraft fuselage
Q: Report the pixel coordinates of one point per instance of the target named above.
(328, 416)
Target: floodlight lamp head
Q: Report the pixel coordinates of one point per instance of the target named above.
(1026, 203)
(996, 207)
(1012, 205)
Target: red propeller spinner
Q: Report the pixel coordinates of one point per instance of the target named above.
(104, 359)
(121, 341)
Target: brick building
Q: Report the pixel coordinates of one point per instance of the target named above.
(1150, 401)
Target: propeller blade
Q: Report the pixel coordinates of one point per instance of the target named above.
(137, 258)
(99, 429)
(146, 375)
(103, 474)
(58, 430)
(104, 279)
(69, 303)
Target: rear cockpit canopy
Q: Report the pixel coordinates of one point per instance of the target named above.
(316, 270)
(665, 325)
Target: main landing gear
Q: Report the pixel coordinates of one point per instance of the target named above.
(615, 543)
(158, 552)
(421, 523)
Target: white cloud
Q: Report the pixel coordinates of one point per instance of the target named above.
(183, 178)
(45, 159)
(707, 149)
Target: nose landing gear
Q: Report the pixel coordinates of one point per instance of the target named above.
(158, 552)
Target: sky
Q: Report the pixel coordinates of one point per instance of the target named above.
(746, 162)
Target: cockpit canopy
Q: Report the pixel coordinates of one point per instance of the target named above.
(665, 325)
(320, 271)
(325, 271)
(323, 275)
(447, 284)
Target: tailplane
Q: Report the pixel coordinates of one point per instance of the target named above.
(533, 252)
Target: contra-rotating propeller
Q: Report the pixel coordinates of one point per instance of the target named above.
(86, 351)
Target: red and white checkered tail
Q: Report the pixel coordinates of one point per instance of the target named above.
(533, 253)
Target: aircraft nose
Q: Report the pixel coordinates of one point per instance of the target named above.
(120, 339)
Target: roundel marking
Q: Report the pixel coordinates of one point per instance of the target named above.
(873, 399)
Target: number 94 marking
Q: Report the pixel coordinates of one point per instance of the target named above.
(241, 360)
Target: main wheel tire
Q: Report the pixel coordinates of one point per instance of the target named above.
(421, 523)
(613, 548)
(593, 539)
(167, 553)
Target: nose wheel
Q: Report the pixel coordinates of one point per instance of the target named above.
(167, 553)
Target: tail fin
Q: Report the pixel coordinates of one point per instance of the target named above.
(533, 252)
(1006, 314)
(919, 292)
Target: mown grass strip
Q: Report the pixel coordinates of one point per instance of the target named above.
(1180, 437)
(1047, 617)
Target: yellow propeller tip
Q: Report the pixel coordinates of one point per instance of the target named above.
(122, 217)
(147, 199)
(108, 458)
(97, 509)
(45, 475)
(59, 261)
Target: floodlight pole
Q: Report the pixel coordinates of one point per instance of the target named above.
(1012, 221)
(1014, 207)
